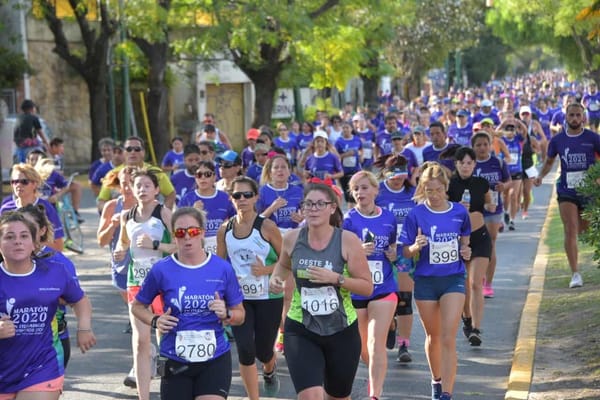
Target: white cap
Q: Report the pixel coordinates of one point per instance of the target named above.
(320, 134)
(525, 109)
(486, 103)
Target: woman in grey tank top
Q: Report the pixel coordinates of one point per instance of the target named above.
(321, 329)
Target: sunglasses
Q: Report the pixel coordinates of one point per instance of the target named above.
(191, 231)
(227, 166)
(21, 181)
(239, 195)
(204, 174)
(137, 149)
(260, 154)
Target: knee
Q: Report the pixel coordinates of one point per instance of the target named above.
(448, 341)
(246, 356)
(476, 285)
(404, 306)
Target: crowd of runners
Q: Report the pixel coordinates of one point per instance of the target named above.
(315, 240)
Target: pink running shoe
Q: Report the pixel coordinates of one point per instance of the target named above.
(488, 291)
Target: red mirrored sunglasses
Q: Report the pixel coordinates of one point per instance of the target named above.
(192, 231)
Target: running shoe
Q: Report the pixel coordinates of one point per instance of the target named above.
(506, 218)
(467, 326)
(279, 343)
(524, 215)
(436, 390)
(271, 382)
(446, 396)
(390, 342)
(403, 354)
(488, 291)
(130, 380)
(511, 225)
(127, 328)
(576, 281)
(475, 337)
(79, 218)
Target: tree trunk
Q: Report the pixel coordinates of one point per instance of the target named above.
(263, 103)
(157, 96)
(98, 113)
(370, 86)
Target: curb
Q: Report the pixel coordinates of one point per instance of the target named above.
(521, 372)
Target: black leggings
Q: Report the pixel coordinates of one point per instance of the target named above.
(255, 338)
(186, 381)
(328, 361)
(66, 344)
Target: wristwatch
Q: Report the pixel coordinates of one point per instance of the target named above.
(341, 280)
(155, 244)
(154, 321)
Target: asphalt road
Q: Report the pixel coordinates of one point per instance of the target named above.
(482, 372)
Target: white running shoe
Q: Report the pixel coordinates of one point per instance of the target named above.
(576, 281)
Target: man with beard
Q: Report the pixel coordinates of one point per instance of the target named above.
(577, 148)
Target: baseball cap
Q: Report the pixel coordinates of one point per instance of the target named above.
(397, 136)
(486, 103)
(462, 113)
(252, 133)
(524, 109)
(261, 147)
(487, 121)
(320, 134)
(229, 156)
(396, 171)
(357, 117)
(476, 126)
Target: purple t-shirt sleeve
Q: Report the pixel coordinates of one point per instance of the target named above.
(54, 219)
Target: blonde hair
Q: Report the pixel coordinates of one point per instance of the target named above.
(364, 174)
(45, 167)
(265, 176)
(29, 172)
(431, 171)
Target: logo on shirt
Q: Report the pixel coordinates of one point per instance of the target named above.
(432, 230)
(574, 160)
(10, 303)
(178, 302)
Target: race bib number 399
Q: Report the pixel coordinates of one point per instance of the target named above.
(320, 301)
(196, 346)
(443, 252)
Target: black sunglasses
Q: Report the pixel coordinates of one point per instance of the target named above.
(227, 166)
(21, 181)
(137, 149)
(205, 174)
(246, 195)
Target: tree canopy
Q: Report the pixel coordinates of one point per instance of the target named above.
(554, 25)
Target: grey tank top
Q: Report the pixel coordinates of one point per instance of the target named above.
(324, 309)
